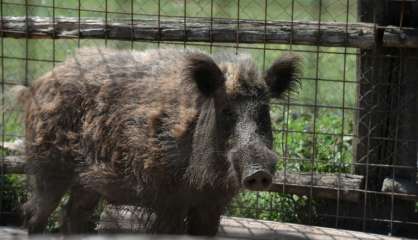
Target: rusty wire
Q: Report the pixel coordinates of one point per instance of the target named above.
(291, 104)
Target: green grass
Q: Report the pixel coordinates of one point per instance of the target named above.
(318, 138)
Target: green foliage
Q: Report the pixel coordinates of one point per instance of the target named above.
(13, 191)
(11, 125)
(328, 150)
(270, 206)
(12, 195)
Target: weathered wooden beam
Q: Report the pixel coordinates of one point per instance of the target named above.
(13, 233)
(243, 228)
(344, 187)
(12, 165)
(358, 35)
(17, 146)
(231, 228)
(323, 185)
(115, 220)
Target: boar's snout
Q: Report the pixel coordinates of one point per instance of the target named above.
(255, 165)
(257, 180)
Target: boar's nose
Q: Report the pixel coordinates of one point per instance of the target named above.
(258, 181)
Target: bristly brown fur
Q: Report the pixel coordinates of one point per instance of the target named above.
(140, 128)
(242, 76)
(107, 119)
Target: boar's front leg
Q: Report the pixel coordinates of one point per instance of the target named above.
(169, 221)
(79, 210)
(204, 220)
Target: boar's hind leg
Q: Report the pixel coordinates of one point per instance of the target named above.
(46, 193)
(204, 220)
(78, 211)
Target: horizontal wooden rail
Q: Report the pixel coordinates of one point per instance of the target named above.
(12, 165)
(356, 35)
(345, 187)
(333, 186)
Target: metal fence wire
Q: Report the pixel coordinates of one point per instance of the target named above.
(347, 140)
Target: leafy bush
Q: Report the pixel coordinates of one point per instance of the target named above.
(12, 195)
(326, 151)
(270, 206)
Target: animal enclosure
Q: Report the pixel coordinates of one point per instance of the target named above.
(346, 140)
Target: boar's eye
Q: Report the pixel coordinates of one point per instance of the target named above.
(229, 114)
(263, 120)
(229, 118)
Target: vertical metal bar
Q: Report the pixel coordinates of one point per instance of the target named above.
(26, 82)
(79, 24)
(315, 112)
(185, 24)
(106, 22)
(238, 25)
(264, 67)
(292, 20)
(341, 145)
(395, 109)
(211, 28)
(369, 127)
(3, 104)
(159, 23)
(366, 181)
(286, 110)
(132, 24)
(287, 107)
(54, 38)
(265, 34)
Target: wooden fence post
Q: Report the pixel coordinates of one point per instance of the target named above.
(387, 118)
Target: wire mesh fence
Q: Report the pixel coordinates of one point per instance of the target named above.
(346, 139)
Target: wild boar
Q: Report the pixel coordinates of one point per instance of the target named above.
(177, 132)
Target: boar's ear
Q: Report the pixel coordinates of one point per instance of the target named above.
(283, 75)
(205, 73)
